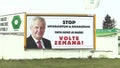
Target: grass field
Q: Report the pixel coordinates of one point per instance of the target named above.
(61, 63)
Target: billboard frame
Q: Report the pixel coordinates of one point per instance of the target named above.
(59, 14)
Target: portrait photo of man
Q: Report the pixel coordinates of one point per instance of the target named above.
(36, 40)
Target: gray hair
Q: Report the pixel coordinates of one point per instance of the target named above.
(39, 19)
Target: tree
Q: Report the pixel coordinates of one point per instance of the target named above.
(108, 23)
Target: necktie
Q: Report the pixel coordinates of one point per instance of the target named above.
(39, 44)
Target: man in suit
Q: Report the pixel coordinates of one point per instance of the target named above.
(36, 40)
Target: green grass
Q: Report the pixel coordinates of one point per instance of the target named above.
(61, 63)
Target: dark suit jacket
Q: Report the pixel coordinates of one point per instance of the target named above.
(32, 45)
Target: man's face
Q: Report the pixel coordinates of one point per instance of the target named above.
(38, 29)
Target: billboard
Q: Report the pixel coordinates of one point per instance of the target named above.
(12, 23)
(62, 31)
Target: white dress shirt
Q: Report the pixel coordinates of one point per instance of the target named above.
(40, 41)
